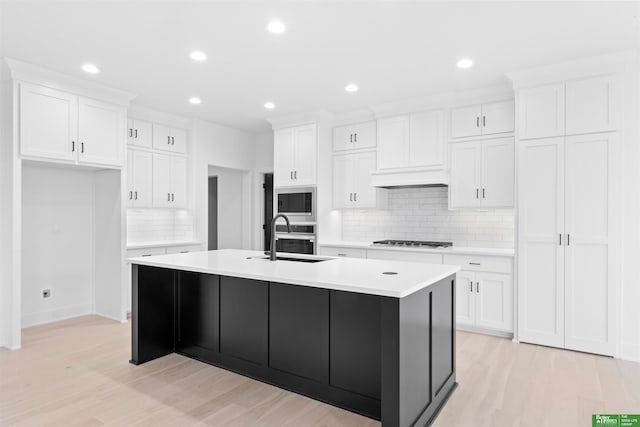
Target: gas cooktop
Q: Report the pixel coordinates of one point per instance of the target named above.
(413, 243)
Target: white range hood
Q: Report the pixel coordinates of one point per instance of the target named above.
(409, 178)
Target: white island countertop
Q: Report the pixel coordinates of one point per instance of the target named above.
(344, 274)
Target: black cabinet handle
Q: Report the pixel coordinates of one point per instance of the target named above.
(82, 147)
(73, 146)
(568, 239)
(173, 141)
(483, 193)
(173, 197)
(470, 286)
(291, 174)
(559, 239)
(168, 197)
(477, 122)
(355, 197)
(295, 174)
(136, 134)
(168, 140)
(474, 263)
(130, 132)
(341, 254)
(477, 192)
(355, 137)
(478, 287)
(350, 137)
(136, 195)
(351, 197)
(484, 121)
(130, 195)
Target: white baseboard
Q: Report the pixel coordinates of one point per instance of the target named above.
(630, 352)
(55, 315)
(500, 334)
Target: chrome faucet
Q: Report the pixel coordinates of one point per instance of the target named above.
(272, 249)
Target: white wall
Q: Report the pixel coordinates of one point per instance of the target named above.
(263, 164)
(57, 242)
(630, 289)
(220, 146)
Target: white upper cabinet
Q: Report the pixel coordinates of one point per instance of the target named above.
(139, 179)
(590, 105)
(412, 141)
(48, 123)
(295, 156)
(169, 181)
(355, 136)
(482, 174)
(101, 131)
(393, 142)
(352, 180)
(541, 112)
(169, 139)
(139, 133)
(485, 119)
(426, 139)
(58, 125)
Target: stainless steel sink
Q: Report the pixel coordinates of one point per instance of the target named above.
(284, 258)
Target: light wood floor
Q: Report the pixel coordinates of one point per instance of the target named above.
(76, 373)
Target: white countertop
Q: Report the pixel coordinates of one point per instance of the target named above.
(453, 250)
(161, 244)
(344, 274)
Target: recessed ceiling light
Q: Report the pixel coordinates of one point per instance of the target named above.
(195, 100)
(276, 27)
(198, 55)
(465, 63)
(269, 105)
(351, 87)
(90, 68)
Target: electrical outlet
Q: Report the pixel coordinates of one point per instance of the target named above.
(46, 293)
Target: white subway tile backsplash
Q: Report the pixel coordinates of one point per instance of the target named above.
(158, 225)
(423, 214)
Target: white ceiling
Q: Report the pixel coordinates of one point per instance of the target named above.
(392, 49)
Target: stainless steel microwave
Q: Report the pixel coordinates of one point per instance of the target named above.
(297, 203)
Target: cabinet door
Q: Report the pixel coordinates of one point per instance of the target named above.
(494, 301)
(426, 139)
(464, 186)
(393, 142)
(283, 157)
(497, 117)
(304, 173)
(540, 248)
(365, 196)
(465, 298)
(161, 137)
(342, 181)
(465, 121)
(140, 133)
(161, 181)
(140, 175)
(101, 132)
(590, 105)
(590, 205)
(497, 173)
(365, 135)
(48, 123)
(541, 112)
(178, 140)
(343, 137)
(178, 182)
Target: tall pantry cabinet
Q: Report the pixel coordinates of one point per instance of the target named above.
(567, 154)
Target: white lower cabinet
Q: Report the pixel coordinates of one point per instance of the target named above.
(484, 292)
(343, 252)
(429, 258)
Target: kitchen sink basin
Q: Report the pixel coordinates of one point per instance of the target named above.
(284, 258)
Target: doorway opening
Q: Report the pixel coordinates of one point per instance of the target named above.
(268, 209)
(213, 213)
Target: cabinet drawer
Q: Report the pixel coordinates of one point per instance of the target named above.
(133, 253)
(481, 263)
(183, 249)
(428, 258)
(343, 252)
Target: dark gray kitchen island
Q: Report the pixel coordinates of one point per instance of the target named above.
(373, 337)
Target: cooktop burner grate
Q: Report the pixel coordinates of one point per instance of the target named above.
(413, 243)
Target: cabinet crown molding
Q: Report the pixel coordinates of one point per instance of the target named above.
(299, 119)
(23, 71)
(575, 69)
